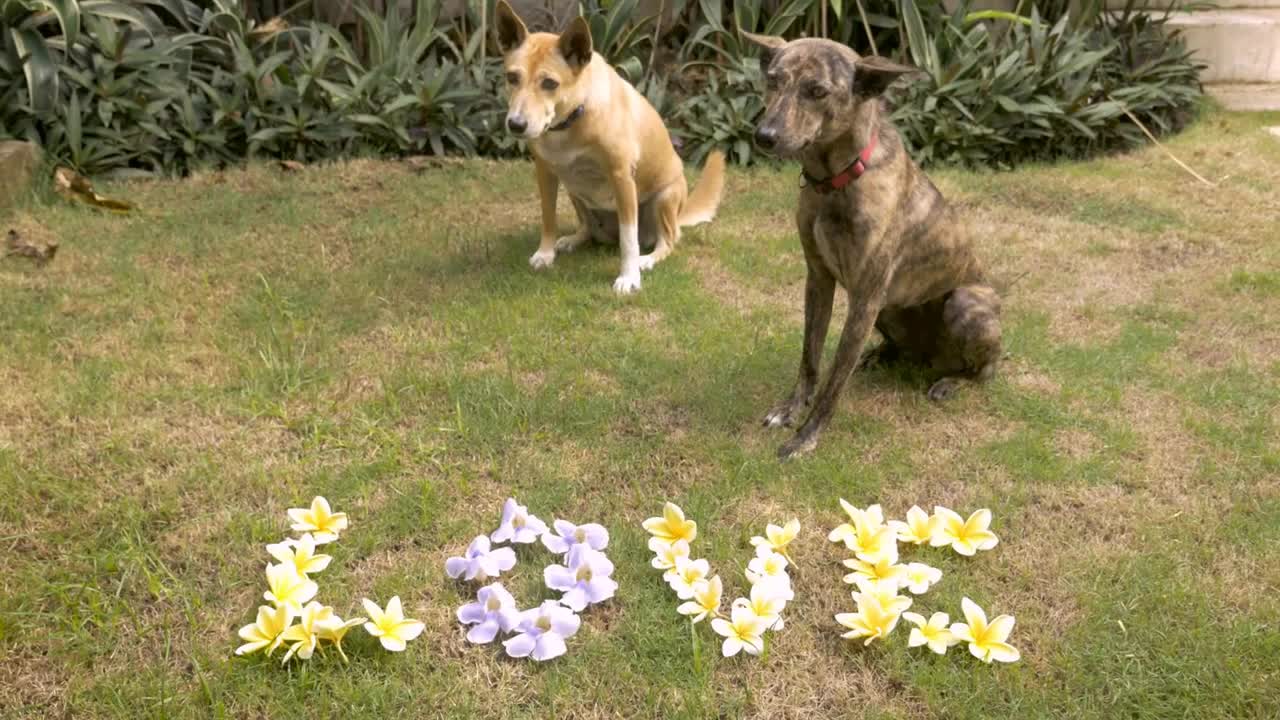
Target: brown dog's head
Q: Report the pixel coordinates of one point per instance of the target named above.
(815, 91)
(543, 72)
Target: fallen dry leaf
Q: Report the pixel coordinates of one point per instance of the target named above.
(14, 244)
(74, 186)
(291, 166)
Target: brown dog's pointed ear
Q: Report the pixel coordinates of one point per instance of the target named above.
(508, 27)
(575, 43)
(768, 44)
(872, 75)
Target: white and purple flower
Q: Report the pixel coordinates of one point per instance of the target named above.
(542, 631)
(493, 610)
(518, 525)
(479, 562)
(584, 581)
(567, 536)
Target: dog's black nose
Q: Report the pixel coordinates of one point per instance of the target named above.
(766, 137)
(517, 125)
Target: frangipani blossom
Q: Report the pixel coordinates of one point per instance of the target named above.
(494, 610)
(685, 575)
(585, 581)
(301, 553)
(479, 562)
(767, 601)
(932, 632)
(884, 592)
(542, 632)
(964, 536)
(744, 630)
(872, 621)
(517, 524)
(867, 536)
(306, 633)
(672, 526)
(919, 527)
(768, 565)
(266, 631)
(567, 535)
(391, 627)
(987, 641)
(706, 600)
(666, 553)
(319, 520)
(886, 568)
(287, 588)
(334, 629)
(920, 578)
(778, 538)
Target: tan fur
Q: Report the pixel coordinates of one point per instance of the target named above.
(616, 160)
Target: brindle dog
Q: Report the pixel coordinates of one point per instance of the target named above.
(871, 221)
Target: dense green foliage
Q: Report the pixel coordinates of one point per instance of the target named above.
(163, 86)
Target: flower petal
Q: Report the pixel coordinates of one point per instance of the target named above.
(455, 566)
(558, 577)
(520, 645)
(392, 643)
(483, 633)
(732, 646)
(410, 629)
(472, 613)
(1003, 652)
(549, 646)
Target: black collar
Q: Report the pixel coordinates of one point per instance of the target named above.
(573, 117)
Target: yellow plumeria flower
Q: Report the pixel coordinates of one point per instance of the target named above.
(987, 641)
(666, 553)
(884, 592)
(685, 575)
(883, 569)
(768, 600)
(872, 621)
(390, 626)
(932, 632)
(744, 630)
(778, 538)
(919, 527)
(287, 588)
(706, 600)
(306, 633)
(867, 535)
(334, 629)
(768, 565)
(301, 553)
(267, 631)
(920, 578)
(964, 536)
(324, 524)
(672, 526)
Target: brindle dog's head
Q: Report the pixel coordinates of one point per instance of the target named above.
(543, 71)
(816, 91)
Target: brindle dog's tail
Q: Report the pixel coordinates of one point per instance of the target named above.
(701, 204)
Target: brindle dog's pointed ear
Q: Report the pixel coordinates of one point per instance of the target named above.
(768, 44)
(575, 43)
(872, 75)
(509, 28)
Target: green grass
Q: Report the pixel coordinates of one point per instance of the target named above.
(176, 379)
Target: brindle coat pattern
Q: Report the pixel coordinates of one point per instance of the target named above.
(888, 238)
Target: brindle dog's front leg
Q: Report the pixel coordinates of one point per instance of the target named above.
(865, 300)
(819, 292)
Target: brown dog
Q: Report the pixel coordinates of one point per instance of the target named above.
(871, 221)
(592, 131)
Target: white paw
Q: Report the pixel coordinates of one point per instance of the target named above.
(542, 259)
(627, 284)
(568, 243)
(647, 262)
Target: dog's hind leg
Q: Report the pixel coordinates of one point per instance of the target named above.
(970, 343)
(664, 217)
(577, 238)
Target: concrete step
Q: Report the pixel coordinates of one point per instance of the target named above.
(1238, 46)
(1246, 97)
(1161, 5)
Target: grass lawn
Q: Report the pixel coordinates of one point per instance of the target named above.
(176, 379)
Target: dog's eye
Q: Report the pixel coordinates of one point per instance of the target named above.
(550, 84)
(513, 78)
(817, 92)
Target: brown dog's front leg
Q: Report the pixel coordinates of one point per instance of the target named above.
(819, 292)
(548, 189)
(863, 310)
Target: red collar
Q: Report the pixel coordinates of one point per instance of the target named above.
(848, 175)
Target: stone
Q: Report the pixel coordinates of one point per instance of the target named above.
(1246, 97)
(19, 162)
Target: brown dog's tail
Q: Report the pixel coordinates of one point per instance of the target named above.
(701, 204)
